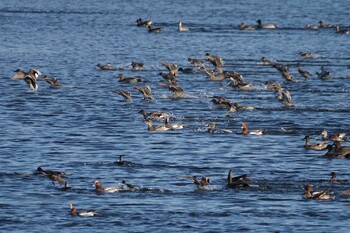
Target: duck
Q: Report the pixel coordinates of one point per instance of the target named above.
(32, 84)
(275, 86)
(212, 129)
(128, 185)
(125, 94)
(231, 107)
(322, 25)
(145, 91)
(302, 72)
(238, 181)
(141, 23)
(319, 195)
(265, 26)
(83, 213)
(346, 192)
(105, 67)
(334, 179)
(151, 127)
(176, 90)
(120, 161)
(195, 62)
(154, 30)
(181, 27)
(52, 81)
(245, 108)
(285, 97)
(40, 170)
(323, 75)
(243, 27)
(216, 61)
(213, 76)
(171, 67)
(100, 189)
(173, 126)
(169, 78)
(309, 26)
(317, 146)
(341, 151)
(343, 31)
(219, 101)
(340, 137)
(57, 178)
(266, 61)
(123, 79)
(330, 152)
(20, 74)
(204, 182)
(137, 65)
(154, 115)
(305, 55)
(246, 131)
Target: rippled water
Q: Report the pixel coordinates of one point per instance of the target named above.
(83, 127)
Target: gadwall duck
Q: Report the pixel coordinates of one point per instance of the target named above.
(83, 213)
(334, 179)
(265, 26)
(216, 61)
(246, 131)
(141, 23)
(267, 62)
(243, 27)
(275, 86)
(284, 97)
(341, 151)
(302, 72)
(343, 31)
(317, 146)
(105, 67)
(322, 25)
(181, 27)
(176, 90)
(145, 91)
(123, 79)
(156, 115)
(52, 81)
(125, 94)
(154, 30)
(171, 67)
(151, 127)
(169, 78)
(40, 170)
(305, 55)
(237, 181)
(310, 26)
(231, 107)
(324, 74)
(317, 195)
(219, 101)
(213, 76)
(245, 108)
(100, 189)
(137, 65)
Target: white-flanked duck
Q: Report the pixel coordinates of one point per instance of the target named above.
(143, 23)
(83, 213)
(246, 131)
(212, 129)
(173, 126)
(154, 30)
(343, 31)
(265, 26)
(152, 127)
(317, 195)
(100, 189)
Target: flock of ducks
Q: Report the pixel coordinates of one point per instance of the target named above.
(216, 74)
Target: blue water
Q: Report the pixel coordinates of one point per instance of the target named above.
(83, 127)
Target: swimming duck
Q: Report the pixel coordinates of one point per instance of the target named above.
(212, 129)
(105, 67)
(335, 180)
(145, 91)
(137, 65)
(315, 27)
(238, 181)
(213, 76)
(40, 170)
(219, 101)
(20, 74)
(272, 85)
(173, 126)
(52, 81)
(323, 75)
(246, 131)
(319, 195)
(83, 213)
(302, 72)
(99, 189)
(123, 79)
(285, 97)
(154, 30)
(343, 31)
(265, 26)
(266, 61)
(181, 27)
(141, 23)
(195, 62)
(246, 108)
(216, 61)
(231, 107)
(341, 151)
(129, 186)
(156, 115)
(171, 67)
(305, 55)
(330, 152)
(151, 127)
(125, 94)
(243, 27)
(317, 146)
(340, 137)
(322, 25)
(120, 161)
